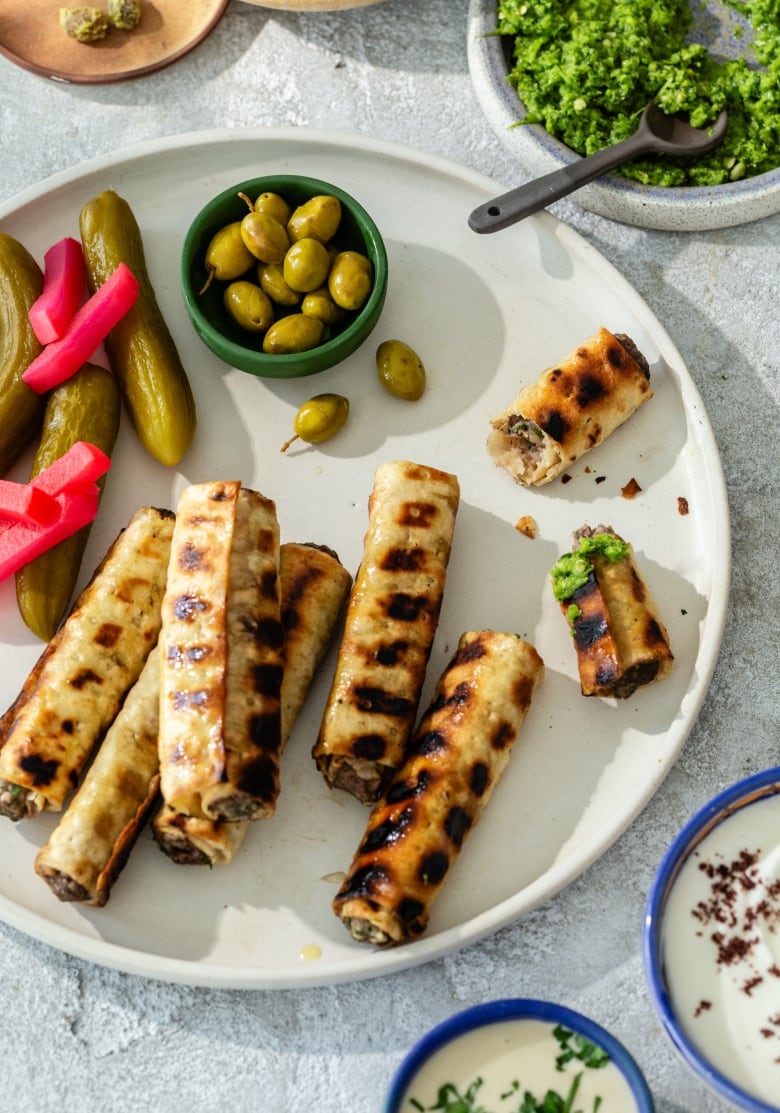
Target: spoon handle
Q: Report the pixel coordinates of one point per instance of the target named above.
(518, 203)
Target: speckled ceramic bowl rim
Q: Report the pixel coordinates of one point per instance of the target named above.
(332, 351)
(517, 1008)
(741, 794)
(690, 208)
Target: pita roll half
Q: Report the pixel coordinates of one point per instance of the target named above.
(570, 409)
(390, 623)
(221, 656)
(314, 588)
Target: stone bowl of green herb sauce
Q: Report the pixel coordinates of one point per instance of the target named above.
(560, 79)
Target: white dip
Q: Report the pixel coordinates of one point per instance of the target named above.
(515, 1057)
(721, 948)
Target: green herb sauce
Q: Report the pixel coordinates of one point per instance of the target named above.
(572, 570)
(585, 69)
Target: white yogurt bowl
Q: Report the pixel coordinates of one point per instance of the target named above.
(712, 943)
(510, 1047)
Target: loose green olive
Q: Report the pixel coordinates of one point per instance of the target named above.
(400, 370)
(294, 333)
(271, 278)
(227, 256)
(249, 306)
(274, 205)
(265, 237)
(319, 419)
(306, 265)
(318, 303)
(350, 279)
(317, 219)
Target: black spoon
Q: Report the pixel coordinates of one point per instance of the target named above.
(669, 135)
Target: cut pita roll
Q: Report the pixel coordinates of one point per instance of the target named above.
(314, 589)
(458, 755)
(91, 843)
(221, 656)
(571, 408)
(390, 623)
(196, 840)
(78, 685)
(620, 640)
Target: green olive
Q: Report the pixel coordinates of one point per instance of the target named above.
(249, 306)
(350, 279)
(318, 303)
(227, 256)
(319, 419)
(294, 333)
(275, 205)
(271, 279)
(306, 265)
(317, 219)
(400, 370)
(265, 237)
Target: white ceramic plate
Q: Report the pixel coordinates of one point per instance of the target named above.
(485, 314)
(689, 209)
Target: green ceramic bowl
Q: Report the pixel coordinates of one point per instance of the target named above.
(237, 348)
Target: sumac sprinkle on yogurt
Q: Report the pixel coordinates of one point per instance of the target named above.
(721, 942)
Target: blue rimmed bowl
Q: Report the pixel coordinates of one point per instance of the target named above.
(711, 943)
(677, 209)
(484, 1042)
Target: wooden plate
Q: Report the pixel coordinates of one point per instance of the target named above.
(313, 5)
(31, 36)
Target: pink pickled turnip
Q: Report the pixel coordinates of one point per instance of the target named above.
(81, 465)
(24, 502)
(64, 283)
(69, 487)
(20, 542)
(88, 328)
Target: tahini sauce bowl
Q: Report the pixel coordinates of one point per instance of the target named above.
(512, 1045)
(711, 943)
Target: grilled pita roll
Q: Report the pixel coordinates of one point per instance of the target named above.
(91, 843)
(391, 620)
(459, 752)
(314, 589)
(570, 409)
(221, 656)
(74, 692)
(618, 635)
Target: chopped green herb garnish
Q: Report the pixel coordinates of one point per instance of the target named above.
(572, 570)
(450, 1100)
(585, 1050)
(518, 424)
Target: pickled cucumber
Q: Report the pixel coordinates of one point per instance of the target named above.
(143, 355)
(21, 409)
(84, 408)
